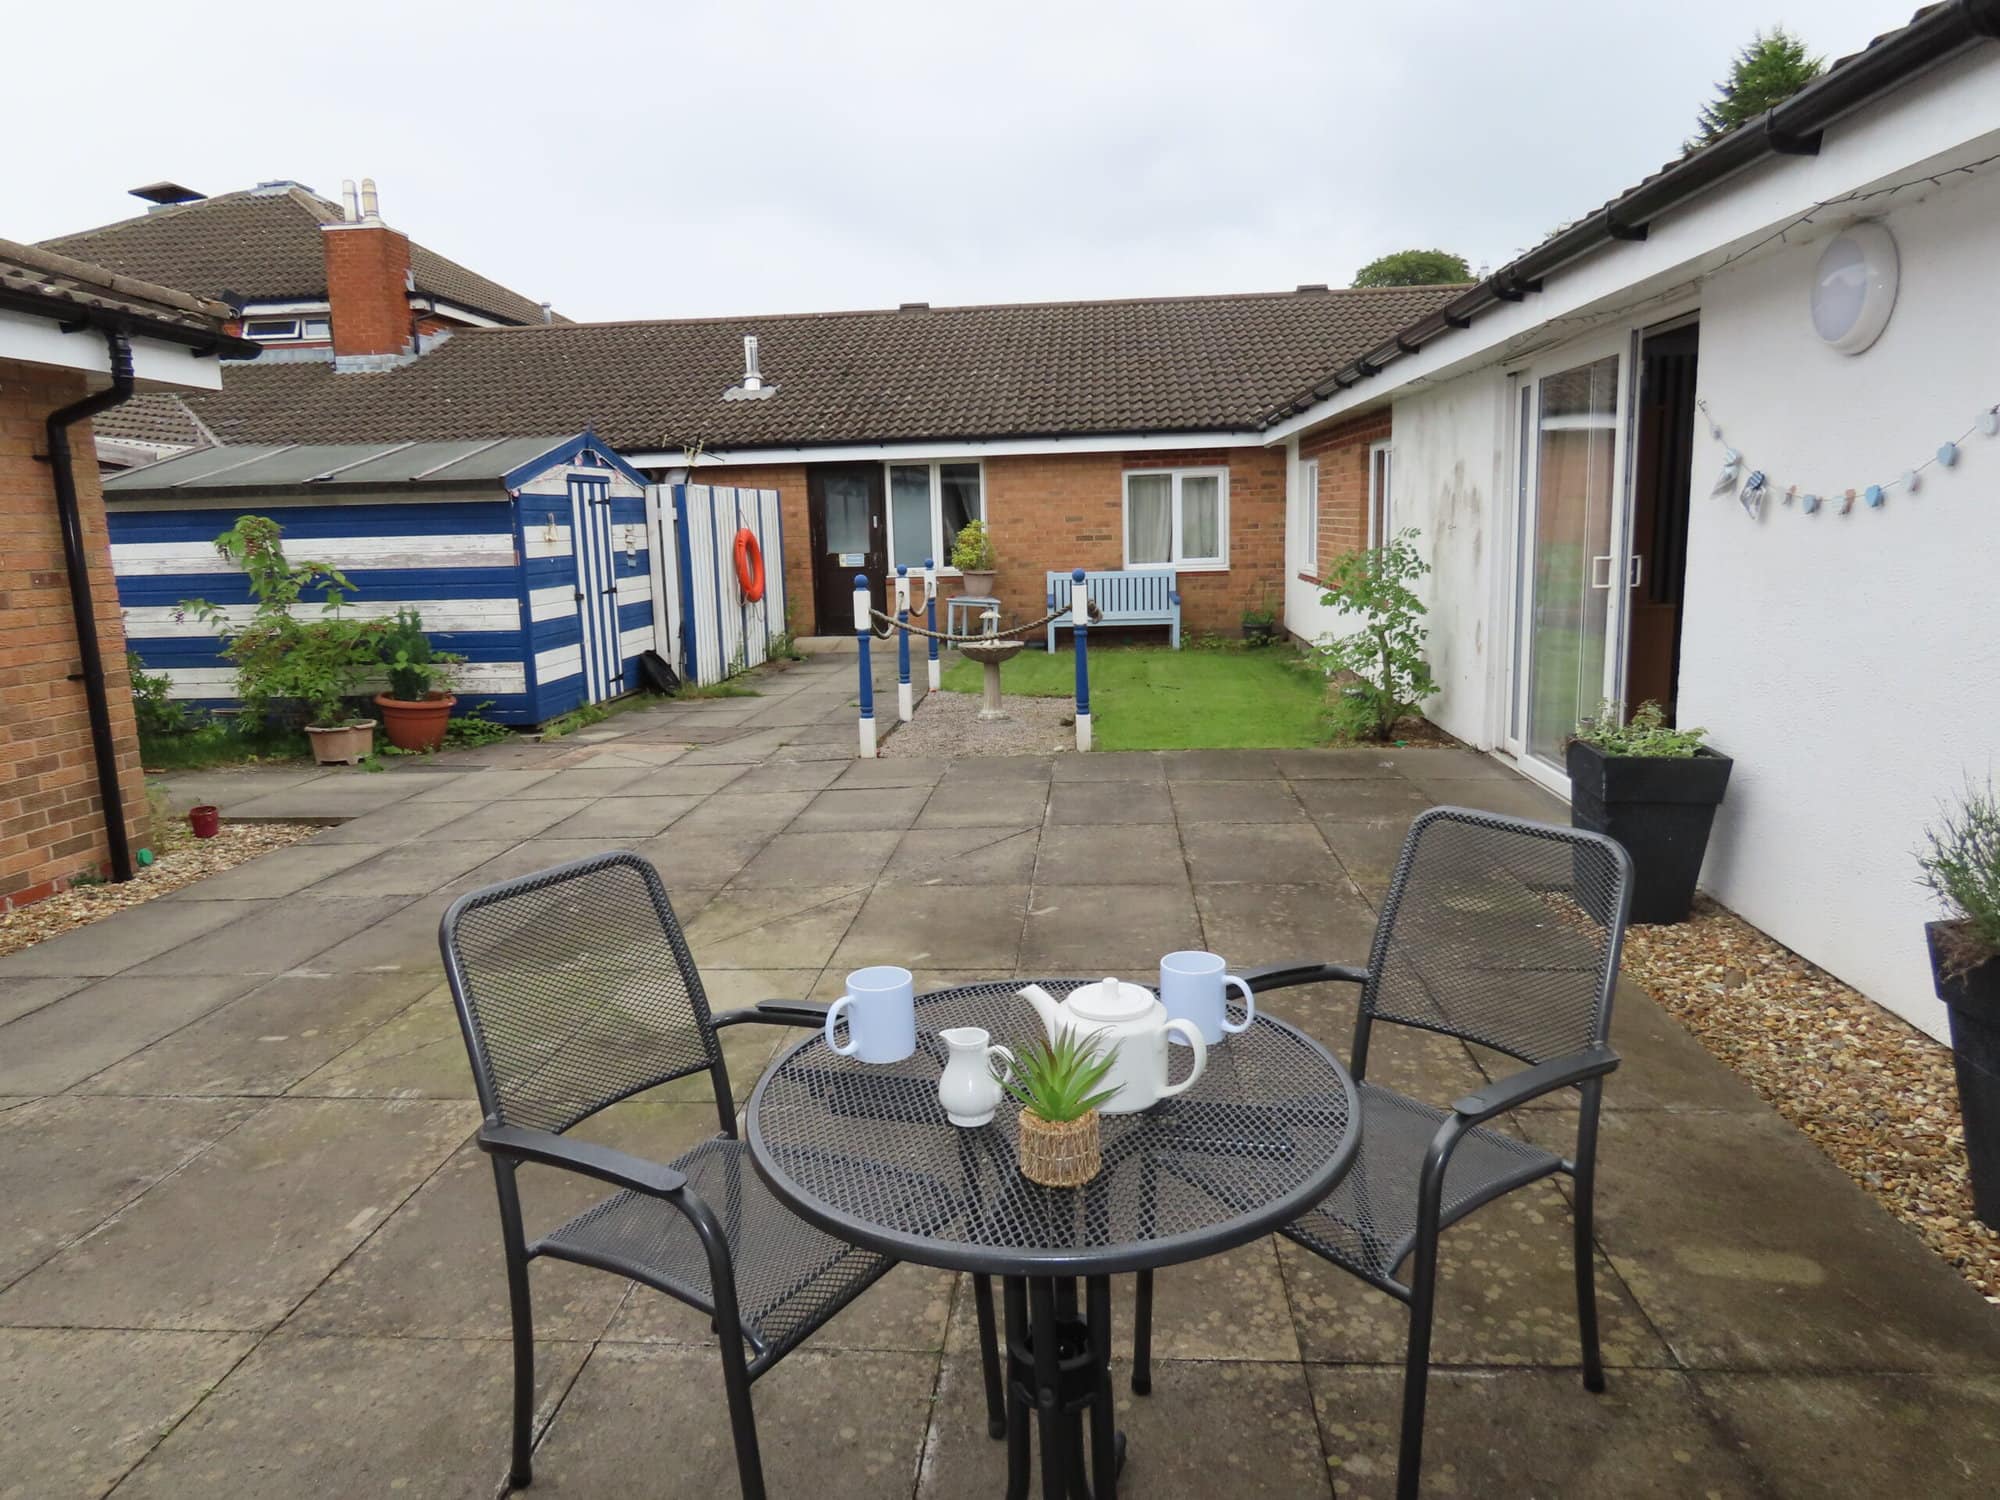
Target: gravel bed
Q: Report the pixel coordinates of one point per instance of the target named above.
(948, 724)
(185, 860)
(1874, 1093)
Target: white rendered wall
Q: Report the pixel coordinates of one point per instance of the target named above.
(1850, 664)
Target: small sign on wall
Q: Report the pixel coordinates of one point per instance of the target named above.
(853, 559)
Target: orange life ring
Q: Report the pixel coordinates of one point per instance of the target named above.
(749, 565)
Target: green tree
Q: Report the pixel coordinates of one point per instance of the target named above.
(1772, 68)
(1414, 268)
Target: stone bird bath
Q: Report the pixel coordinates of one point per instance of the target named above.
(989, 654)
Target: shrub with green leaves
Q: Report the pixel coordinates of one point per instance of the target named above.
(1961, 865)
(1386, 655)
(1645, 733)
(415, 669)
(158, 716)
(1058, 1081)
(972, 551)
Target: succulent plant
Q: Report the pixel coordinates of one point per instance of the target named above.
(1058, 1080)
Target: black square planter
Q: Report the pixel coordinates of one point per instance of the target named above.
(1660, 808)
(1972, 1000)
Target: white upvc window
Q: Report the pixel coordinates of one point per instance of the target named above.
(1305, 516)
(274, 329)
(928, 503)
(1177, 518)
(1381, 522)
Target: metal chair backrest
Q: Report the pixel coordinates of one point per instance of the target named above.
(575, 989)
(1499, 931)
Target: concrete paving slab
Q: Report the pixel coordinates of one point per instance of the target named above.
(742, 748)
(418, 1054)
(1530, 1432)
(497, 786)
(1084, 929)
(1663, 1067)
(398, 823)
(701, 859)
(682, 781)
(23, 994)
(265, 1041)
(1128, 853)
(1368, 850)
(1358, 764)
(962, 856)
(236, 1238)
(1207, 801)
(1222, 765)
(1516, 798)
(112, 945)
(403, 938)
(61, 1044)
(819, 859)
(762, 929)
(1110, 765)
(414, 869)
(792, 776)
(623, 818)
(1361, 801)
(269, 937)
(1233, 1306)
(1261, 924)
(996, 804)
(1506, 1296)
(231, 787)
(725, 812)
(982, 770)
(304, 1416)
(80, 1407)
(1749, 1250)
(1260, 853)
(279, 873)
(1446, 763)
(841, 807)
(337, 796)
(831, 752)
(1846, 1435)
(861, 1447)
(529, 858)
(586, 782)
(510, 819)
(1076, 803)
(908, 770)
(66, 1165)
(941, 927)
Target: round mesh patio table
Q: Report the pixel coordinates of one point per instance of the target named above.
(865, 1152)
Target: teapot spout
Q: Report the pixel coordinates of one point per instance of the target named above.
(1046, 1006)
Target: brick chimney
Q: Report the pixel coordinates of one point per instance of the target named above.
(367, 282)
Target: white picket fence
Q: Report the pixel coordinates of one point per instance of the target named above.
(698, 603)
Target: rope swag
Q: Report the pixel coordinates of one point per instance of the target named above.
(1752, 488)
(892, 625)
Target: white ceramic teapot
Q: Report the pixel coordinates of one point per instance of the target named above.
(1132, 1026)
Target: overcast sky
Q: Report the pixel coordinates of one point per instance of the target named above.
(666, 159)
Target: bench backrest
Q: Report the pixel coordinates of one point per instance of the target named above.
(1146, 594)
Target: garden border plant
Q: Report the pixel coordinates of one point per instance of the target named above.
(417, 707)
(1389, 675)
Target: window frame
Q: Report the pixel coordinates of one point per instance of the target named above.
(1308, 515)
(937, 467)
(296, 323)
(1176, 561)
(1381, 491)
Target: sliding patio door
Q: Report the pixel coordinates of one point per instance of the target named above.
(1571, 562)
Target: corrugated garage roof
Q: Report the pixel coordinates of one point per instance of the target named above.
(305, 465)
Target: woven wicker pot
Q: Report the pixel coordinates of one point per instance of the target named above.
(1065, 1155)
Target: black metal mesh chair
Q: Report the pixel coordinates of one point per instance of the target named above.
(1500, 932)
(575, 989)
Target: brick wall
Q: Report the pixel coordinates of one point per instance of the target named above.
(1342, 451)
(367, 284)
(51, 822)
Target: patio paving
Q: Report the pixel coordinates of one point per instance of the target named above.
(249, 1251)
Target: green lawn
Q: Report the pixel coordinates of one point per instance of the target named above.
(1153, 698)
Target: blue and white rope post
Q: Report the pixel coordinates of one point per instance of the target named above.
(906, 706)
(930, 621)
(864, 627)
(1079, 604)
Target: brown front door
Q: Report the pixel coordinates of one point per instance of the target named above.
(1662, 478)
(844, 516)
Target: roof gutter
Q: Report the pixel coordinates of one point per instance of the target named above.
(1792, 128)
(74, 316)
(77, 563)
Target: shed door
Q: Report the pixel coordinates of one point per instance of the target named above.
(596, 588)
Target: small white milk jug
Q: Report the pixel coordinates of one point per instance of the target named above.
(970, 1089)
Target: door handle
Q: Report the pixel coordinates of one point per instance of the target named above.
(1637, 571)
(1595, 581)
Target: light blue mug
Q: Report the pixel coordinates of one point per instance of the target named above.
(881, 1010)
(1194, 987)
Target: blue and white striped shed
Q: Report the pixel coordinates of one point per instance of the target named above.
(530, 557)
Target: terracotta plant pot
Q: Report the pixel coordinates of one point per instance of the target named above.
(415, 724)
(1065, 1155)
(345, 745)
(980, 584)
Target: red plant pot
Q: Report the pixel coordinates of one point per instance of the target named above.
(205, 821)
(415, 724)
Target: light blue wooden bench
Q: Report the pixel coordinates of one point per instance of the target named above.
(1143, 597)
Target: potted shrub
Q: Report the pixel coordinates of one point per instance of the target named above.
(972, 555)
(1056, 1085)
(1961, 865)
(317, 664)
(417, 708)
(1260, 625)
(1654, 789)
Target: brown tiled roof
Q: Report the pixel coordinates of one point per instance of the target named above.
(1183, 364)
(155, 419)
(31, 276)
(264, 245)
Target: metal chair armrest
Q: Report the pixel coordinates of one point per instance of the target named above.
(605, 1163)
(772, 1013)
(1300, 971)
(1531, 1083)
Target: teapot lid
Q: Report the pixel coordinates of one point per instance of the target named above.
(1110, 1000)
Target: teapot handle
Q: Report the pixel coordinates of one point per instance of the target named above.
(1191, 1034)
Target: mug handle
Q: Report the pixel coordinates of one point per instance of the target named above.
(996, 1050)
(1249, 1005)
(1191, 1034)
(833, 1014)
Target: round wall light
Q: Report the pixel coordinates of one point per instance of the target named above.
(1854, 287)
